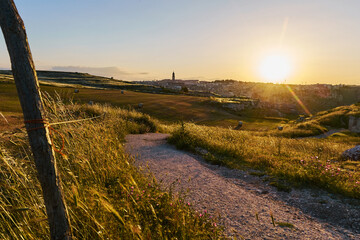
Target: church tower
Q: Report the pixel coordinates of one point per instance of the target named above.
(173, 76)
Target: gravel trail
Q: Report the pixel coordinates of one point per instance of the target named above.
(238, 197)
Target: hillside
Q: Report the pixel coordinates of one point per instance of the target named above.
(81, 80)
(337, 117)
(343, 118)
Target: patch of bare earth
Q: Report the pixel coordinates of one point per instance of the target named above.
(9, 122)
(245, 202)
(9, 125)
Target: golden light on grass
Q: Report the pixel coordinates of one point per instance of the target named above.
(275, 68)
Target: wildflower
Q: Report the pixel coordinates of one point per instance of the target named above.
(200, 215)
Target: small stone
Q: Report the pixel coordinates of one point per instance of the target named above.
(262, 191)
(352, 153)
(201, 151)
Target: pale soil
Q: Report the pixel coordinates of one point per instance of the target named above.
(238, 196)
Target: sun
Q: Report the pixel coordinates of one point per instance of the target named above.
(275, 68)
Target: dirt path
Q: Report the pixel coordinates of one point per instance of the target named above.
(238, 196)
(326, 134)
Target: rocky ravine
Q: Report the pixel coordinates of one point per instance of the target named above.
(238, 196)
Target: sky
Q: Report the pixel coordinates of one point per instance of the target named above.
(198, 39)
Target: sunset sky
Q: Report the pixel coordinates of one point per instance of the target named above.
(198, 39)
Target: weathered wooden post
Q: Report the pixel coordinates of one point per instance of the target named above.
(30, 99)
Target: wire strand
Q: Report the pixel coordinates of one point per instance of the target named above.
(51, 129)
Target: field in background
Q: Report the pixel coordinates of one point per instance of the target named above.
(167, 108)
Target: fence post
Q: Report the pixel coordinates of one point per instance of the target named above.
(30, 99)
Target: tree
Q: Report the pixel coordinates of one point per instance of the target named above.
(30, 99)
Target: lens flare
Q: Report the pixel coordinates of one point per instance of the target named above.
(298, 100)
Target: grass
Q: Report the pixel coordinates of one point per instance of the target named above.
(305, 129)
(107, 197)
(249, 124)
(289, 162)
(285, 224)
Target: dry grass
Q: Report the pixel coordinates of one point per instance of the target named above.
(320, 123)
(296, 162)
(107, 197)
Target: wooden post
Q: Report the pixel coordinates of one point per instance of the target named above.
(30, 99)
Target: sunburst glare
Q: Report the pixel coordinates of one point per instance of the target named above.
(275, 68)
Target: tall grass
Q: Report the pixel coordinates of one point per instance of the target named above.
(297, 162)
(107, 197)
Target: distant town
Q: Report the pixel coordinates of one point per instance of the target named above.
(282, 98)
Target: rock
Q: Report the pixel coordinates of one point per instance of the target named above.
(352, 153)
(239, 125)
(262, 191)
(354, 124)
(201, 151)
(300, 119)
